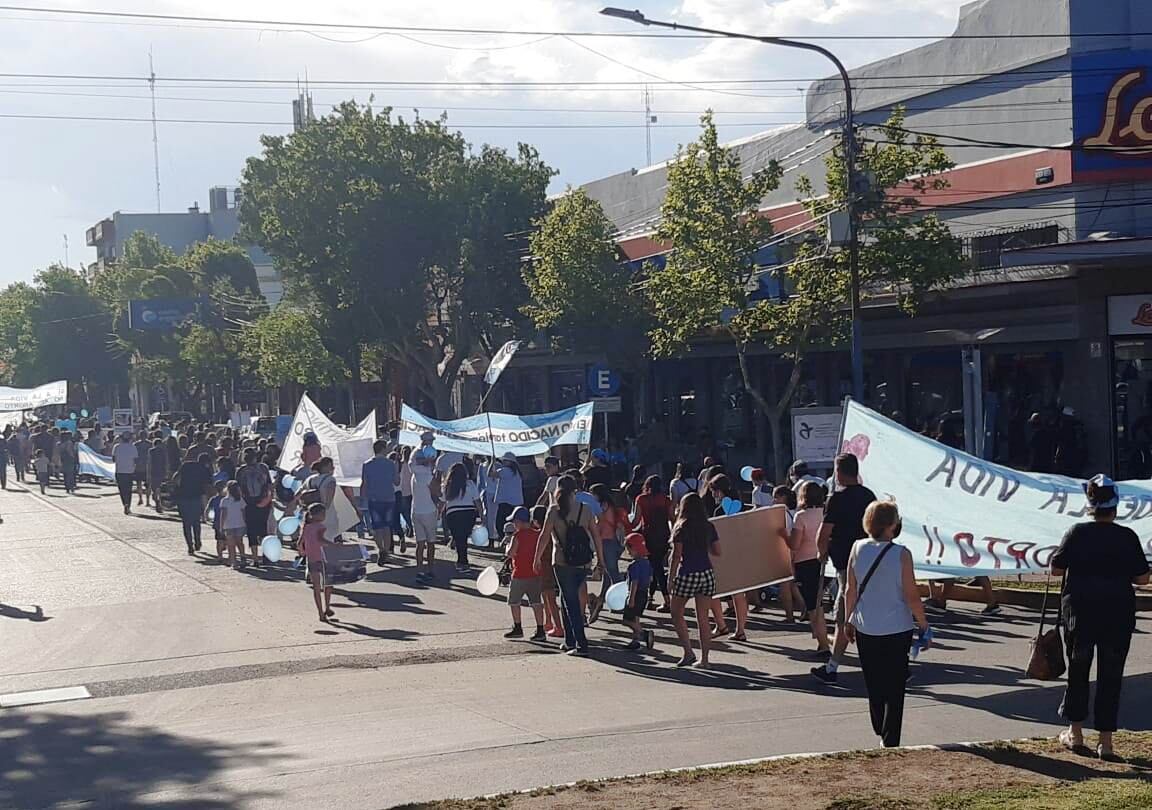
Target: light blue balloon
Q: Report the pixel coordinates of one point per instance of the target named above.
(746, 473)
(617, 597)
(294, 484)
(731, 506)
(479, 536)
(277, 513)
(288, 526)
(271, 548)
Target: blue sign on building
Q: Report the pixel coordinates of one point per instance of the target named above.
(603, 381)
(1112, 115)
(161, 314)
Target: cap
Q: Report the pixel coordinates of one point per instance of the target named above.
(1103, 481)
(509, 456)
(521, 514)
(427, 436)
(599, 455)
(636, 544)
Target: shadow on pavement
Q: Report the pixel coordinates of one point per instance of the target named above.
(36, 614)
(104, 760)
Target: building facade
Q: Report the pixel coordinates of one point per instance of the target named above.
(1050, 196)
(180, 231)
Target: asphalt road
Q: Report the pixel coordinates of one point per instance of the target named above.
(217, 689)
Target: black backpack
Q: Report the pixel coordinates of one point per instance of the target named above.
(577, 542)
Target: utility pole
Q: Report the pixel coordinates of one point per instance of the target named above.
(155, 132)
(649, 120)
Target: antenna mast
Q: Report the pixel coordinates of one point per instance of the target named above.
(649, 119)
(155, 133)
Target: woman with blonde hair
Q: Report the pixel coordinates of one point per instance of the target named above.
(883, 607)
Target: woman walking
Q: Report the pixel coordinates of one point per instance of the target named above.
(256, 487)
(612, 526)
(654, 520)
(192, 482)
(1101, 562)
(461, 508)
(509, 489)
(570, 528)
(694, 544)
(803, 543)
(883, 607)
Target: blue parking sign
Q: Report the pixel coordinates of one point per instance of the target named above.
(603, 381)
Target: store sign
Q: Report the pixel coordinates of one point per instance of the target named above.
(161, 314)
(1130, 314)
(1112, 114)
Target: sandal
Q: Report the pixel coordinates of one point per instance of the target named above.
(1107, 755)
(721, 632)
(741, 636)
(1068, 741)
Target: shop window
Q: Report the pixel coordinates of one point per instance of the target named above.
(984, 251)
(1016, 386)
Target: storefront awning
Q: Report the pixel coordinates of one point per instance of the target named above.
(1087, 251)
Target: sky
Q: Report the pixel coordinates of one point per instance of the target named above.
(61, 174)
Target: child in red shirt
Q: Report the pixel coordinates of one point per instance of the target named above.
(525, 581)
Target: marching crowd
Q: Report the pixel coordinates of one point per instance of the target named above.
(580, 520)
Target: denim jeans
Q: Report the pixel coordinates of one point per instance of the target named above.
(569, 578)
(612, 552)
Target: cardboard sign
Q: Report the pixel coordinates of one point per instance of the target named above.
(753, 553)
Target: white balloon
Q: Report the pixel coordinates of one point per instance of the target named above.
(617, 596)
(271, 548)
(488, 582)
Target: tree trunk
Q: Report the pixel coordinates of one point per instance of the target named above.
(779, 460)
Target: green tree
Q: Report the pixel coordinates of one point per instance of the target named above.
(579, 287)
(285, 347)
(213, 261)
(394, 234)
(710, 222)
(18, 346)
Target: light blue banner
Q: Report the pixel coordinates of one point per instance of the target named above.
(965, 516)
(89, 462)
(531, 435)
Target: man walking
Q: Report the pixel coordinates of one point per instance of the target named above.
(843, 525)
(124, 454)
(379, 478)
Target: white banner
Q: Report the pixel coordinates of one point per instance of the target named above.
(25, 399)
(531, 435)
(349, 449)
(965, 516)
(501, 361)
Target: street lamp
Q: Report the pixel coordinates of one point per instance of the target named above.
(849, 163)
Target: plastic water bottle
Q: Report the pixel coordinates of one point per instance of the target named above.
(922, 640)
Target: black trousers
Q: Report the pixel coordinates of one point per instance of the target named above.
(124, 484)
(459, 523)
(884, 660)
(658, 557)
(1111, 651)
(256, 523)
(190, 511)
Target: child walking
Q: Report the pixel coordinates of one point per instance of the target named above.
(212, 514)
(639, 579)
(42, 470)
(230, 517)
(553, 624)
(312, 545)
(526, 583)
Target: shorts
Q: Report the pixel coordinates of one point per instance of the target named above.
(697, 583)
(380, 515)
(807, 576)
(318, 574)
(141, 476)
(547, 575)
(424, 527)
(525, 587)
(842, 590)
(634, 611)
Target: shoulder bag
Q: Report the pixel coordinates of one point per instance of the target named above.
(1047, 661)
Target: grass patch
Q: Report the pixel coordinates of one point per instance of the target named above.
(1095, 794)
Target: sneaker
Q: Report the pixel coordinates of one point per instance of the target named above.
(687, 661)
(991, 610)
(664, 608)
(198, 546)
(515, 632)
(579, 652)
(649, 638)
(403, 545)
(823, 655)
(564, 648)
(824, 675)
(191, 552)
(539, 635)
(633, 646)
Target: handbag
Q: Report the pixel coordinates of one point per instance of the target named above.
(1047, 660)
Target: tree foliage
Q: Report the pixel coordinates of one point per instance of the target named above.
(285, 347)
(579, 287)
(396, 234)
(709, 221)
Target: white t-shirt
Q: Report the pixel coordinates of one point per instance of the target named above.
(232, 514)
(124, 454)
(509, 487)
(422, 503)
(467, 499)
(761, 496)
(446, 460)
